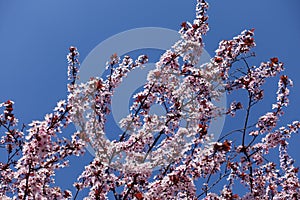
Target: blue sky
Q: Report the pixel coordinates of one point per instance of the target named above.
(35, 36)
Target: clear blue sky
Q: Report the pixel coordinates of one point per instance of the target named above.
(35, 36)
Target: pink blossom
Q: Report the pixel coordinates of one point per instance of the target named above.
(160, 157)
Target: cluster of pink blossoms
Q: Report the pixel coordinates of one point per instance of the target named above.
(171, 156)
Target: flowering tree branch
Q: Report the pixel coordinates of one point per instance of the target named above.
(172, 156)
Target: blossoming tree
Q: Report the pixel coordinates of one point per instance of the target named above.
(171, 156)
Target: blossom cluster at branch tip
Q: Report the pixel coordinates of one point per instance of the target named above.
(73, 65)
